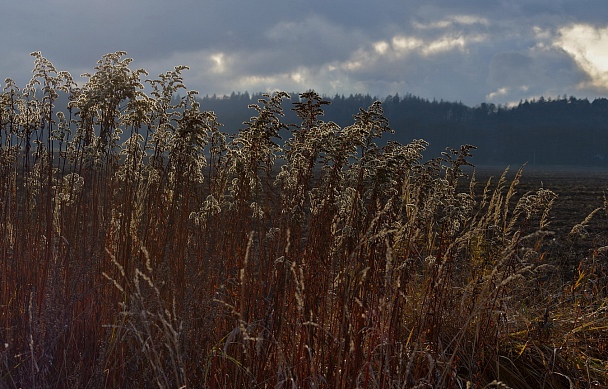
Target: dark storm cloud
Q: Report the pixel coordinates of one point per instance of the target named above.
(511, 69)
(471, 50)
(533, 74)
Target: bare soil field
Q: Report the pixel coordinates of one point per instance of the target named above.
(580, 191)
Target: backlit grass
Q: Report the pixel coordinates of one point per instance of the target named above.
(140, 246)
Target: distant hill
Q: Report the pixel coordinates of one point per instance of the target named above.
(561, 131)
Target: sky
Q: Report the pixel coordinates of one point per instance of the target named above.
(472, 51)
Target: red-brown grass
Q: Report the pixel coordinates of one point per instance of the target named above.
(181, 257)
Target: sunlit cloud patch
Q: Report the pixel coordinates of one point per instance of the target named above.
(588, 47)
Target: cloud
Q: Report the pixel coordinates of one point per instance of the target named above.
(469, 51)
(587, 44)
(540, 70)
(315, 53)
(511, 68)
(398, 47)
(503, 91)
(452, 21)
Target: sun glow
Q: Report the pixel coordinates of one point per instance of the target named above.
(219, 63)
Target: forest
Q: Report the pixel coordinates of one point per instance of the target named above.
(543, 132)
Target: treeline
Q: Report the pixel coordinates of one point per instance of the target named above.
(547, 131)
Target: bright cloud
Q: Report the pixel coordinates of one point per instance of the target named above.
(506, 92)
(381, 47)
(587, 46)
(219, 63)
(451, 21)
(498, 93)
(443, 44)
(402, 46)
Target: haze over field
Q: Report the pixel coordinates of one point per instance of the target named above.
(470, 51)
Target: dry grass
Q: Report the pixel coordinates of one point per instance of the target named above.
(185, 258)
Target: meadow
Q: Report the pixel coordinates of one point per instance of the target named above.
(141, 247)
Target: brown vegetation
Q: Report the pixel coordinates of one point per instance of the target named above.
(180, 257)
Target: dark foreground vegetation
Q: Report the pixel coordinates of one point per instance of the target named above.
(185, 258)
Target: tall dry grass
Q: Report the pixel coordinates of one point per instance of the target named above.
(141, 246)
